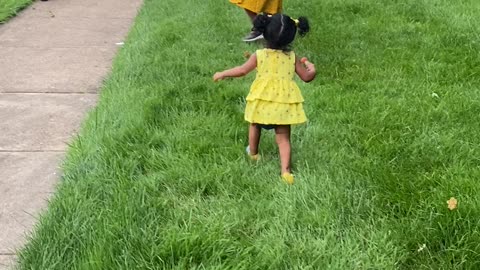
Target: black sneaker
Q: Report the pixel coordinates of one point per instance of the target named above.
(252, 36)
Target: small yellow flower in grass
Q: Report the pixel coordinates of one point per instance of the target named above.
(247, 54)
(452, 203)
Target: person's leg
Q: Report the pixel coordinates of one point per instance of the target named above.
(251, 14)
(254, 134)
(282, 137)
(254, 34)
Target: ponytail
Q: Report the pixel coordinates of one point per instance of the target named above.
(303, 26)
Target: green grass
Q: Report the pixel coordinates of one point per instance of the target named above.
(9, 8)
(158, 178)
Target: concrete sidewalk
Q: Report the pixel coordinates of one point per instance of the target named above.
(53, 58)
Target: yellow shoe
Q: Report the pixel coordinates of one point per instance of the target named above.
(255, 157)
(252, 157)
(288, 178)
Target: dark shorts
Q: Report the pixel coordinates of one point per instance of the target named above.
(267, 127)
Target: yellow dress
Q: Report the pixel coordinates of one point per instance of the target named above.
(259, 6)
(274, 97)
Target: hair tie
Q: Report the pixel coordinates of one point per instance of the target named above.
(296, 22)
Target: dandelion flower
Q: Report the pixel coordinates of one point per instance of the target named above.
(452, 203)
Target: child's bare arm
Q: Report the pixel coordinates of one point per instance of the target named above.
(305, 69)
(238, 71)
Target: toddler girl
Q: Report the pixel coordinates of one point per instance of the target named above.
(275, 101)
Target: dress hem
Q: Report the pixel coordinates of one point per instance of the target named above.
(276, 124)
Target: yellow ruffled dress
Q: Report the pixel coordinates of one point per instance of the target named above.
(274, 97)
(259, 6)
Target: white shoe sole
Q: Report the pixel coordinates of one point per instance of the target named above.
(253, 39)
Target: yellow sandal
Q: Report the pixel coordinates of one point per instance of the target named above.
(288, 178)
(255, 157)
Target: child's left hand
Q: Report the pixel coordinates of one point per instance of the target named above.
(308, 65)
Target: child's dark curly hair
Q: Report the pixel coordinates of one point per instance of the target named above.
(279, 30)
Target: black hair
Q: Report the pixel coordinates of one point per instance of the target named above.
(279, 30)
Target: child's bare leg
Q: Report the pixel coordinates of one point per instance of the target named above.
(254, 133)
(251, 14)
(282, 137)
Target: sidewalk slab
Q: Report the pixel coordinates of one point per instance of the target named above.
(26, 181)
(47, 70)
(6, 262)
(41, 122)
(64, 32)
(85, 8)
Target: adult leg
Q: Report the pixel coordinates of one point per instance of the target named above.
(254, 34)
(251, 14)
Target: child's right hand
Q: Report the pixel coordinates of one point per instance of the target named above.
(217, 76)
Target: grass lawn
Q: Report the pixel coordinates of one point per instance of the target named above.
(9, 8)
(158, 178)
